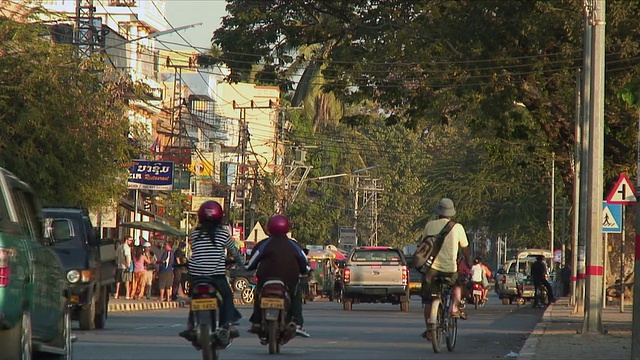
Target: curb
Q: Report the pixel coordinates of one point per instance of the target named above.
(531, 344)
(156, 305)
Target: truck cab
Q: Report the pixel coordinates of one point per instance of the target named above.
(89, 263)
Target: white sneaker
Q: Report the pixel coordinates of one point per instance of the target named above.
(300, 332)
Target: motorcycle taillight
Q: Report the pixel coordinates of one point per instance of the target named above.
(203, 289)
(274, 290)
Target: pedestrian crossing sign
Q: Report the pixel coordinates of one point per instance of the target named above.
(611, 218)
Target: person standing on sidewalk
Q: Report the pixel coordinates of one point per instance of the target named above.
(150, 268)
(140, 261)
(539, 277)
(165, 272)
(123, 262)
(179, 269)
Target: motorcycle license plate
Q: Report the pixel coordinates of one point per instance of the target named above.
(477, 292)
(204, 304)
(271, 303)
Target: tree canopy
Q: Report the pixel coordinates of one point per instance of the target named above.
(487, 87)
(63, 127)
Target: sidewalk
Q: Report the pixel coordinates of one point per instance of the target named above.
(558, 336)
(122, 305)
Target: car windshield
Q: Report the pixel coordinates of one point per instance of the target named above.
(376, 255)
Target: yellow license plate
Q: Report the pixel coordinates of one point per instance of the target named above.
(74, 298)
(271, 303)
(204, 304)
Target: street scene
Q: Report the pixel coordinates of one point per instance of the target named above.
(311, 179)
(370, 331)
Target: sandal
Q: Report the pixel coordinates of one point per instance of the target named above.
(426, 334)
(459, 314)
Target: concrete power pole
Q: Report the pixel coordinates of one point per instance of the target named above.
(594, 269)
(584, 162)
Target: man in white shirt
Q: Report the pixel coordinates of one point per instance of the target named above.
(123, 261)
(445, 263)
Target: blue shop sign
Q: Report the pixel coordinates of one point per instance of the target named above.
(150, 175)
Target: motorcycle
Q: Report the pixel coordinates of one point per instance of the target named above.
(477, 295)
(210, 336)
(274, 305)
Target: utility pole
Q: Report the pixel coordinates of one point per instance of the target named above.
(577, 163)
(553, 202)
(84, 33)
(585, 159)
(635, 326)
(244, 137)
(594, 270)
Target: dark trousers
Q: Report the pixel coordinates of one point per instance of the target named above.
(177, 280)
(228, 311)
(546, 284)
(295, 309)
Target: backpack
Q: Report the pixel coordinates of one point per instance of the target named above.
(429, 247)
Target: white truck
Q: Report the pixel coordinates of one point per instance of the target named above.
(513, 282)
(376, 274)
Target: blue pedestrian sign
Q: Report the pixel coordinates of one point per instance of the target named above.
(611, 218)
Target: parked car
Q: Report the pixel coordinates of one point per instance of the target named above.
(34, 292)
(241, 277)
(89, 263)
(376, 274)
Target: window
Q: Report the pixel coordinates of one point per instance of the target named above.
(27, 219)
(376, 255)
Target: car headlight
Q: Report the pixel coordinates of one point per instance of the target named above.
(73, 276)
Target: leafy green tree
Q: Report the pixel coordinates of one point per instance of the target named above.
(62, 122)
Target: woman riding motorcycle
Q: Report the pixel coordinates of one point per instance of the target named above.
(479, 275)
(208, 259)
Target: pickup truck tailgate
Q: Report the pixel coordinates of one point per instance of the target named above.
(376, 274)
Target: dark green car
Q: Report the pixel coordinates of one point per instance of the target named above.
(34, 316)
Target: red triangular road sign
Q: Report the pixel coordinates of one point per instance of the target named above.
(623, 192)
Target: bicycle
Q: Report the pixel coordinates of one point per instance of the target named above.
(441, 324)
(541, 298)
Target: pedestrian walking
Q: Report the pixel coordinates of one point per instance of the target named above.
(179, 269)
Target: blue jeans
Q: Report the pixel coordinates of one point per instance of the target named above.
(228, 311)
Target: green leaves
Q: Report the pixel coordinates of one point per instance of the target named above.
(63, 128)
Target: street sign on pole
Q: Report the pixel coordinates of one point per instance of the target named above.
(611, 218)
(623, 192)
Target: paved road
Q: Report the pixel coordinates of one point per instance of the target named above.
(370, 331)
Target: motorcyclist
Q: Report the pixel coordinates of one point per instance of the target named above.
(209, 241)
(479, 275)
(539, 276)
(279, 258)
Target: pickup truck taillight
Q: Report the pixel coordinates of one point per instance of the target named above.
(503, 279)
(346, 276)
(4, 268)
(405, 276)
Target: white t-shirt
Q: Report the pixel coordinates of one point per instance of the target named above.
(456, 239)
(123, 256)
(477, 273)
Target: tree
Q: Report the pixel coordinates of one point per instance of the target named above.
(62, 121)
(426, 63)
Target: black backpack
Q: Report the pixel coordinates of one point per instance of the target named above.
(429, 247)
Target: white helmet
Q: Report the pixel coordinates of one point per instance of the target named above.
(146, 244)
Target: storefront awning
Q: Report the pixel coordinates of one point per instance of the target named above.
(154, 226)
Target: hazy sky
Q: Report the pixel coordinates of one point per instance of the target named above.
(186, 12)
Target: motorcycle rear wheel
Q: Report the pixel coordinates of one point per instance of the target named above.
(206, 345)
(272, 335)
